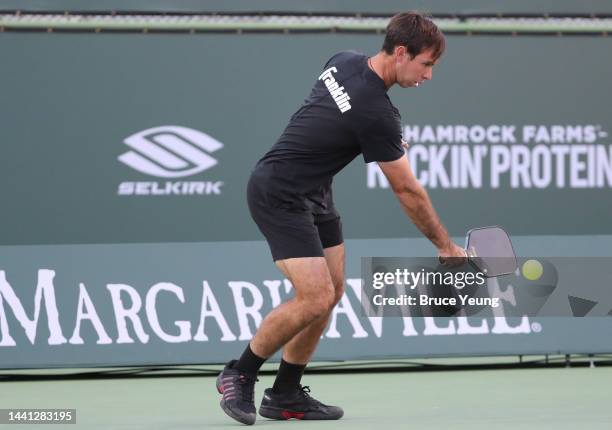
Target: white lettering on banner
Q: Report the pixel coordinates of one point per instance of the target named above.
(122, 314)
(460, 134)
(44, 290)
(431, 329)
(500, 163)
(560, 134)
(503, 133)
(376, 177)
(529, 156)
(464, 327)
(344, 307)
(184, 326)
(210, 308)
(248, 303)
(87, 311)
(169, 188)
(243, 310)
(520, 164)
(274, 290)
(375, 322)
(409, 329)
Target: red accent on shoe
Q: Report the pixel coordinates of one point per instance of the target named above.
(288, 415)
(220, 389)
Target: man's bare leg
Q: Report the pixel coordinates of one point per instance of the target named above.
(314, 299)
(286, 399)
(301, 347)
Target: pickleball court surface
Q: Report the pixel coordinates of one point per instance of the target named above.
(543, 398)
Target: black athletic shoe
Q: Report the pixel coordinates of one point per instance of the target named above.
(238, 389)
(296, 404)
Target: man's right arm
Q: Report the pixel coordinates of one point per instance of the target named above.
(417, 205)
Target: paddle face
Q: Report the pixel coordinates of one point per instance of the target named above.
(490, 251)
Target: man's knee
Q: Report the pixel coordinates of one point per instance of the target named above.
(330, 296)
(320, 302)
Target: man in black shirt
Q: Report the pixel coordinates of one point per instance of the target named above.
(289, 193)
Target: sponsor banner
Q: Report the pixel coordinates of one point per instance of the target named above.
(101, 305)
(520, 140)
(506, 156)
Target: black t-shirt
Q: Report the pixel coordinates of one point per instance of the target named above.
(348, 112)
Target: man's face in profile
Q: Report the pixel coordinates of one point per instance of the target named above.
(413, 71)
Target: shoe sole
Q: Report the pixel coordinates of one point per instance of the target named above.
(286, 414)
(248, 419)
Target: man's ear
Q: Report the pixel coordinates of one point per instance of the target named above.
(401, 52)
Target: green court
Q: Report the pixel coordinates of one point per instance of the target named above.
(550, 398)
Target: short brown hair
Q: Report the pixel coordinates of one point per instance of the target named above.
(416, 31)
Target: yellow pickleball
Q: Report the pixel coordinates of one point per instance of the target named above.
(532, 270)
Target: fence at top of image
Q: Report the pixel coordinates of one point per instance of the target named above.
(231, 23)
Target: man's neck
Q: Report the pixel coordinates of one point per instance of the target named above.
(383, 66)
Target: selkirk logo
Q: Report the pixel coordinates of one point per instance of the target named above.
(170, 151)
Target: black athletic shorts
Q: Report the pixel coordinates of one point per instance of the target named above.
(290, 232)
